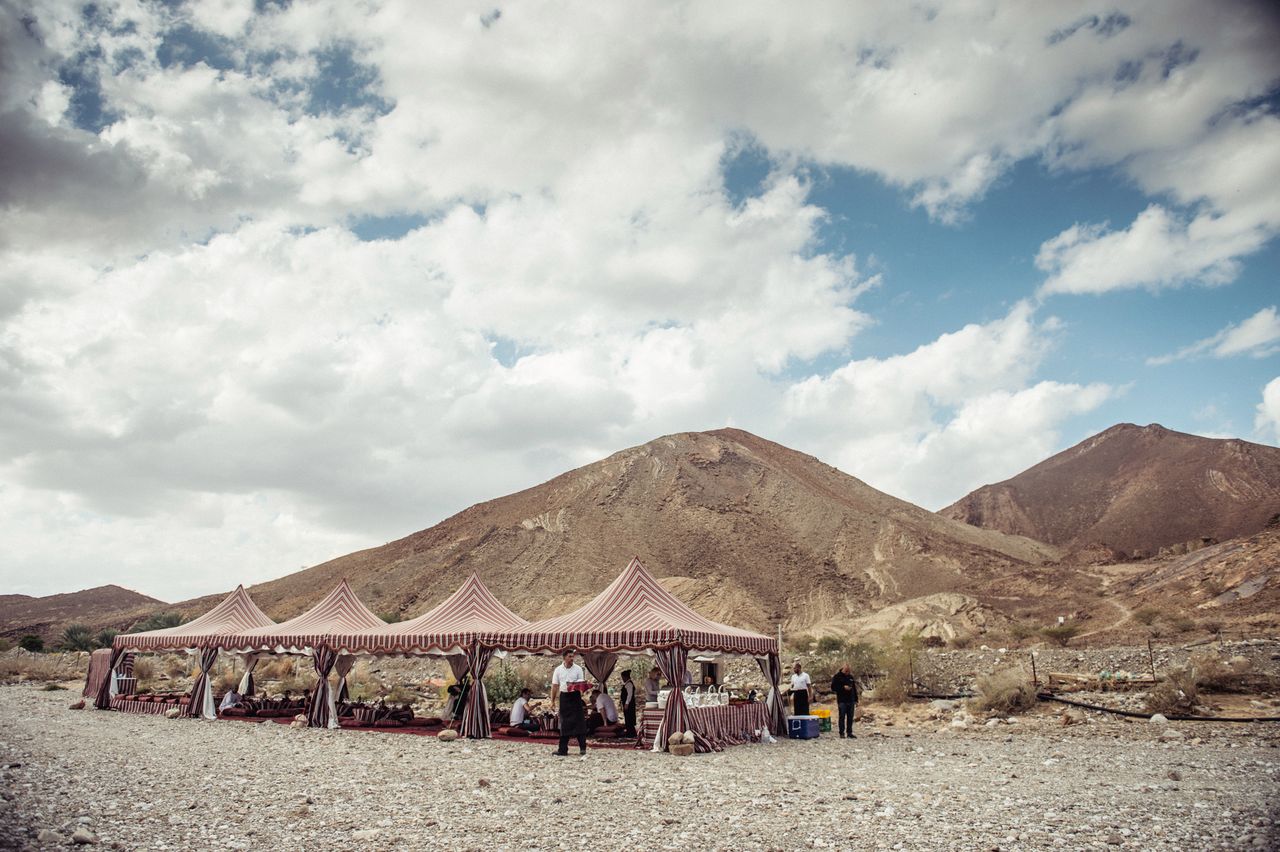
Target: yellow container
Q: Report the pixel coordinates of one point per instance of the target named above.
(822, 713)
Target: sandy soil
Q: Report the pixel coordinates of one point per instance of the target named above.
(139, 782)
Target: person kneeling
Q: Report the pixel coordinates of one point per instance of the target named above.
(520, 717)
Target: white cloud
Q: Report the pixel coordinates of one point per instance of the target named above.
(1267, 422)
(1258, 336)
(195, 348)
(965, 404)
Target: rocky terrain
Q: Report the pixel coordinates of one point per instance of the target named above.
(1132, 492)
(134, 782)
(45, 616)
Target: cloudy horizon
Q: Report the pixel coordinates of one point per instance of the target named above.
(280, 281)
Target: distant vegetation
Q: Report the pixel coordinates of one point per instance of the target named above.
(34, 644)
(159, 621)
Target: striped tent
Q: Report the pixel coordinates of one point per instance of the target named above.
(339, 612)
(636, 614)
(450, 629)
(235, 613)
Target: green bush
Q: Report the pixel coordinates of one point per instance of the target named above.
(503, 683)
(105, 637)
(158, 621)
(830, 645)
(1060, 633)
(1147, 615)
(34, 644)
(77, 637)
(391, 617)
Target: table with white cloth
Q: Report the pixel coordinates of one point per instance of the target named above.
(722, 725)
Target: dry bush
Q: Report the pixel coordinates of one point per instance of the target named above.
(222, 679)
(42, 667)
(177, 666)
(1147, 615)
(895, 684)
(1176, 694)
(1182, 623)
(1005, 692)
(144, 668)
(1212, 672)
(278, 668)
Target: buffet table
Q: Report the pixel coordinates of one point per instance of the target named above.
(724, 725)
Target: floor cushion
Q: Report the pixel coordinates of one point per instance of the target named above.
(388, 723)
(508, 731)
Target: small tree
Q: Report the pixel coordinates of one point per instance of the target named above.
(1060, 633)
(31, 643)
(77, 637)
(503, 683)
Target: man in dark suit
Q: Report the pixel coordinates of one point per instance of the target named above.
(845, 687)
(628, 704)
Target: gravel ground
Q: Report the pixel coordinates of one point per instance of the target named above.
(143, 782)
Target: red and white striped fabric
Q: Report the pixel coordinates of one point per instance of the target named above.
(235, 613)
(449, 628)
(635, 613)
(475, 716)
(340, 612)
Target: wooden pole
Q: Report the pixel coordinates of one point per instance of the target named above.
(1151, 657)
(1035, 682)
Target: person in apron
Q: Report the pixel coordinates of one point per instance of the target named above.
(567, 683)
(801, 688)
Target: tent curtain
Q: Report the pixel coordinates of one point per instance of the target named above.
(458, 664)
(246, 682)
(676, 717)
(107, 690)
(601, 664)
(201, 703)
(343, 668)
(475, 718)
(322, 713)
(772, 668)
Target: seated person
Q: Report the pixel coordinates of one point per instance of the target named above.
(606, 707)
(231, 699)
(597, 711)
(520, 716)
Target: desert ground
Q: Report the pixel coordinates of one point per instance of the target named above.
(910, 780)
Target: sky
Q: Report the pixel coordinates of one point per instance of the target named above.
(280, 281)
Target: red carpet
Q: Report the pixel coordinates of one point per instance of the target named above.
(431, 732)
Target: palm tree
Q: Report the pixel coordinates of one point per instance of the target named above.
(104, 637)
(77, 637)
(159, 621)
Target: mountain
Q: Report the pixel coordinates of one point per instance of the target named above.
(745, 530)
(47, 616)
(1131, 491)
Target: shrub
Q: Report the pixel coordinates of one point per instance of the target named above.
(5, 645)
(1175, 694)
(391, 617)
(176, 666)
(1212, 672)
(105, 637)
(1060, 633)
(77, 637)
(864, 660)
(1005, 691)
(503, 683)
(1021, 630)
(1214, 626)
(144, 668)
(158, 621)
(1147, 615)
(53, 687)
(34, 644)
(895, 683)
(1182, 623)
(801, 642)
(830, 645)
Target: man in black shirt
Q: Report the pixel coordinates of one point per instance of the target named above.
(845, 688)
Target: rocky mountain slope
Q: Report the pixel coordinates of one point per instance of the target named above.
(1131, 491)
(46, 616)
(744, 529)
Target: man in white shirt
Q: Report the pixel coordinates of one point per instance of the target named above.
(652, 685)
(520, 712)
(566, 684)
(606, 707)
(801, 690)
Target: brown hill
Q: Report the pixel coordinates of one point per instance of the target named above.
(47, 616)
(1131, 491)
(744, 529)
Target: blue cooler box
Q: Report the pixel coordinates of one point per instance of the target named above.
(803, 727)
